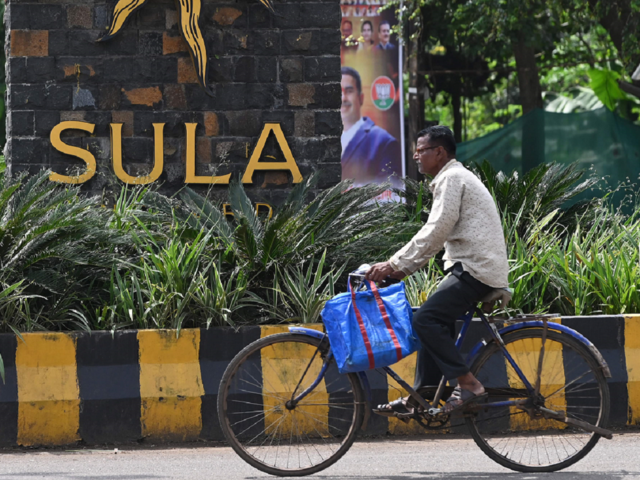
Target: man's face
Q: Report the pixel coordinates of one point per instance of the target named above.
(384, 32)
(428, 157)
(351, 100)
(347, 29)
(366, 32)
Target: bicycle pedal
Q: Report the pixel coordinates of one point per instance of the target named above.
(405, 417)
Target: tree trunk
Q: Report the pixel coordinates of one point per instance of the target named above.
(456, 103)
(620, 18)
(415, 122)
(613, 18)
(528, 78)
(533, 136)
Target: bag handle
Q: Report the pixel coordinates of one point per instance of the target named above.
(363, 330)
(386, 319)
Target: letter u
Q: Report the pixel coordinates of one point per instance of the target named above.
(116, 154)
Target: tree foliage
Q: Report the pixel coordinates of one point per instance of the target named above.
(621, 19)
(159, 262)
(506, 56)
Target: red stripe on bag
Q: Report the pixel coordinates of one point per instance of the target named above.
(387, 322)
(363, 331)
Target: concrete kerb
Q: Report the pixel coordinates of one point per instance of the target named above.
(100, 387)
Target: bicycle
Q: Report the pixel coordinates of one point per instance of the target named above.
(287, 411)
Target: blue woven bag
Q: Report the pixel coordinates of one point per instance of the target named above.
(369, 328)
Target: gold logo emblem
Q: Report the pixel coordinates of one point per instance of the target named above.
(189, 12)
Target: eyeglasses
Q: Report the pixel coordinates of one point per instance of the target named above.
(420, 151)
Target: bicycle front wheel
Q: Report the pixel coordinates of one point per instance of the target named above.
(571, 381)
(264, 429)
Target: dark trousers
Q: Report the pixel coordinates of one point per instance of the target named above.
(435, 323)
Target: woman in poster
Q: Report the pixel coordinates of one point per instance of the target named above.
(366, 36)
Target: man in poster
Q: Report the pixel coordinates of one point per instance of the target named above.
(384, 34)
(369, 153)
(348, 40)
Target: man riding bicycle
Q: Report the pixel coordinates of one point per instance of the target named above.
(464, 219)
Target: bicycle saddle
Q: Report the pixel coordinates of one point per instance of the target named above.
(502, 294)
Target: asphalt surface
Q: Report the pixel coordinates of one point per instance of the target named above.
(385, 459)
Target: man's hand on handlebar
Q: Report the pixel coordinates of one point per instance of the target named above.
(382, 270)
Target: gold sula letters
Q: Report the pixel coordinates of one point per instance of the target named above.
(255, 164)
(116, 153)
(158, 140)
(85, 155)
(191, 176)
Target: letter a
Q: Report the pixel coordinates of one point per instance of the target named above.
(255, 163)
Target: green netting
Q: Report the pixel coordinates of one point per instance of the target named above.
(598, 139)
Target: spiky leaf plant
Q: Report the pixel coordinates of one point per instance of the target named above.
(299, 295)
(537, 193)
(56, 241)
(346, 222)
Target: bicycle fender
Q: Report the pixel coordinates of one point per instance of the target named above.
(552, 326)
(307, 331)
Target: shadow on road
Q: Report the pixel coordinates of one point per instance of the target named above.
(76, 476)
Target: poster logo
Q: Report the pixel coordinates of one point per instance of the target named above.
(383, 93)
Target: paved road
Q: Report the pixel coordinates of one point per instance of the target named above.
(398, 459)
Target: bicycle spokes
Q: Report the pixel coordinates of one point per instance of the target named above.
(272, 431)
(534, 435)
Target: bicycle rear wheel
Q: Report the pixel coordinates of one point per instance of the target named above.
(264, 430)
(572, 381)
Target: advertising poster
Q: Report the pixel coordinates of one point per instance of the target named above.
(372, 117)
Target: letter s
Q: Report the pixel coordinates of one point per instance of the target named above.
(81, 153)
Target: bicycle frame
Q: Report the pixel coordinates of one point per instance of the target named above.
(467, 318)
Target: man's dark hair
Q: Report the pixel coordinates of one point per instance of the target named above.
(440, 135)
(384, 22)
(367, 22)
(354, 73)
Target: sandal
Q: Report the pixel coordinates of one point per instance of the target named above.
(461, 398)
(392, 408)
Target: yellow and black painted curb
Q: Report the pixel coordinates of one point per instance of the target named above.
(101, 387)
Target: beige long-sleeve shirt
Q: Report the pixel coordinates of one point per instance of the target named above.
(464, 219)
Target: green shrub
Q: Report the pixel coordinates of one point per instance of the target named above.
(57, 244)
(152, 261)
(535, 195)
(299, 296)
(196, 268)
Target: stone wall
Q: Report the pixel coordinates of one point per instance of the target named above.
(262, 68)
